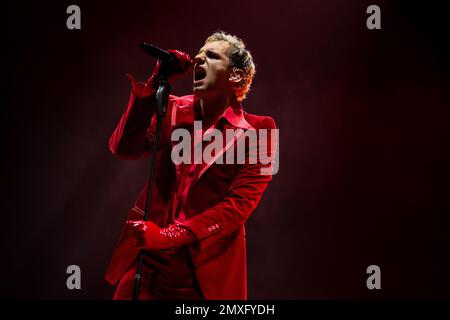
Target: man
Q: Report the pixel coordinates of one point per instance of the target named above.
(194, 244)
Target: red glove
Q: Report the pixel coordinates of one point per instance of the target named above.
(151, 237)
(146, 89)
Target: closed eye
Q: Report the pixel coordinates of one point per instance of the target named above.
(212, 54)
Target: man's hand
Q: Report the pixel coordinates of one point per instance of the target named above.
(146, 89)
(151, 237)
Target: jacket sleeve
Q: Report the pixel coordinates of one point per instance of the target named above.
(242, 197)
(129, 140)
(133, 136)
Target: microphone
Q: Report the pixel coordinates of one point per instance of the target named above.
(158, 53)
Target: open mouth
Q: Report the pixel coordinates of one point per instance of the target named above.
(199, 74)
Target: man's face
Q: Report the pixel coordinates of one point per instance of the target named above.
(212, 70)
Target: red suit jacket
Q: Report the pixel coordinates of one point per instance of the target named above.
(218, 202)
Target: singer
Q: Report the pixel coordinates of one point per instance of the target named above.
(194, 243)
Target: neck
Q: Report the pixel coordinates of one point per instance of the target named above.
(213, 108)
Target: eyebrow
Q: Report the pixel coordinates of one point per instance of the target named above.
(207, 50)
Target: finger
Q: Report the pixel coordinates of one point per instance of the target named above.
(155, 69)
(133, 223)
(138, 239)
(150, 80)
(131, 78)
(135, 226)
(184, 59)
(189, 66)
(138, 231)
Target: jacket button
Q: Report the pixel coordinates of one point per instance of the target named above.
(217, 226)
(209, 229)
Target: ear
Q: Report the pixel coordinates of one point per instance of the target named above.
(236, 75)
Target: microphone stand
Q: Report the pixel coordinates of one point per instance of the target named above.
(162, 99)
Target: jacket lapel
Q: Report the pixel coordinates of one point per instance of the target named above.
(234, 119)
(183, 115)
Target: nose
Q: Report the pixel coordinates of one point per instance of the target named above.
(199, 59)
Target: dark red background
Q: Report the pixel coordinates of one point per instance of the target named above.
(364, 118)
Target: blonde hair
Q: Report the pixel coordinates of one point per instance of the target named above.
(240, 58)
